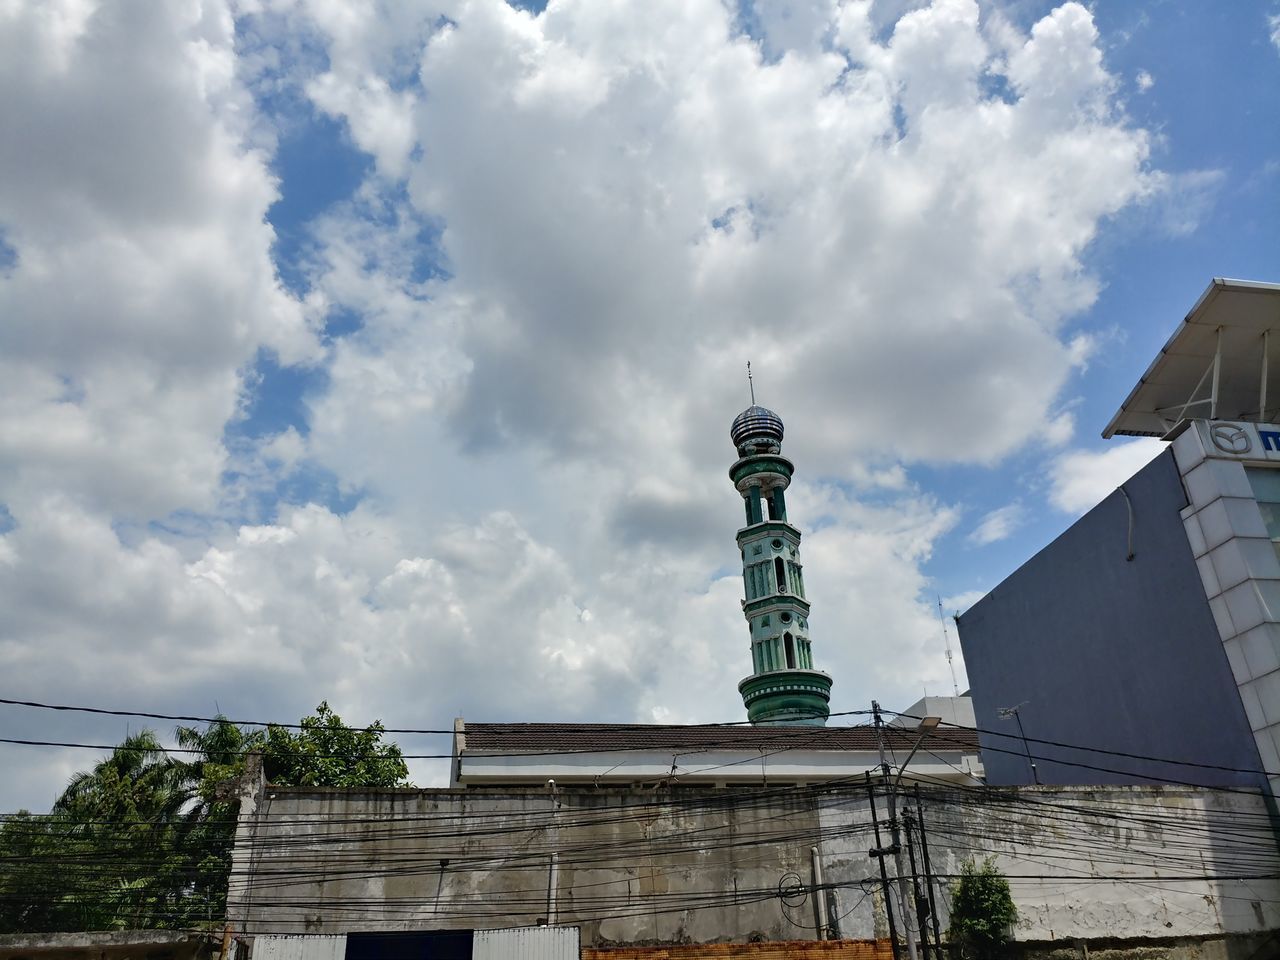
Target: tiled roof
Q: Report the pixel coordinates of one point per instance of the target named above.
(593, 737)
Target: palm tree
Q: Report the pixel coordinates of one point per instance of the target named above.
(138, 781)
(206, 831)
(111, 833)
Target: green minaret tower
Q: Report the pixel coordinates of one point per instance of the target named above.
(783, 686)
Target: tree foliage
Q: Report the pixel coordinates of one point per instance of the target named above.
(324, 753)
(144, 839)
(982, 909)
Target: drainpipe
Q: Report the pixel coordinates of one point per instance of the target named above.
(819, 894)
(552, 877)
(553, 871)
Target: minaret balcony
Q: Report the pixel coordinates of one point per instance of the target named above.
(775, 601)
(753, 469)
(787, 696)
(767, 528)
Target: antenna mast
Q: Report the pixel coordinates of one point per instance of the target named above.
(751, 384)
(946, 639)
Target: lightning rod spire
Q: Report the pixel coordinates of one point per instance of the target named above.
(751, 384)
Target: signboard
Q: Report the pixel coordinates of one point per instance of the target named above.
(1236, 440)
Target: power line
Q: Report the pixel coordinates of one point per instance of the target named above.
(1074, 746)
(531, 859)
(619, 727)
(68, 708)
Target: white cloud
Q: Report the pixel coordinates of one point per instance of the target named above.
(143, 280)
(958, 604)
(1145, 81)
(1183, 201)
(1273, 25)
(1081, 479)
(997, 525)
(580, 205)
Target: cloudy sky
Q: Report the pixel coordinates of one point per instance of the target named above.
(385, 353)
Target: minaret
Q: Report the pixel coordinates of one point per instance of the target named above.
(783, 687)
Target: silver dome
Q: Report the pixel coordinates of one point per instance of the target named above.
(756, 430)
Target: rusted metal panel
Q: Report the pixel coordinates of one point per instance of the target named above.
(299, 947)
(526, 943)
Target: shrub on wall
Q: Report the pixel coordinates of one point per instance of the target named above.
(982, 909)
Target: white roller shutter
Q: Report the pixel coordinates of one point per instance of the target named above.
(526, 943)
(300, 947)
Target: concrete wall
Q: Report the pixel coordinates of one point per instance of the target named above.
(112, 945)
(696, 866)
(627, 866)
(1093, 862)
(1109, 652)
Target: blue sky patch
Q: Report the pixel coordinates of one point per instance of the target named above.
(277, 398)
(318, 166)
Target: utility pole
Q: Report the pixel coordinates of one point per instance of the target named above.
(928, 875)
(896, 846)
(878, 853)
(921, 902)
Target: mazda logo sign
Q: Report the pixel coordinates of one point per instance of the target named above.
(1230, 438)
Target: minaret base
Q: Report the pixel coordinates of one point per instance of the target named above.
(790, 697)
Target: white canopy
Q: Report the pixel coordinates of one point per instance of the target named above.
(1213, 367)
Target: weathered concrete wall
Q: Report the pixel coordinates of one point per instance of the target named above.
(112, 945)
(701, 865)
(1254, 947)
(1090, 862)
(629, 867)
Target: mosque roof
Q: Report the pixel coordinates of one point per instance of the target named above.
(583, 737)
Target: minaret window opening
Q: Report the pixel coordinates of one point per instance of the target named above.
(790, 643)
(779, 575)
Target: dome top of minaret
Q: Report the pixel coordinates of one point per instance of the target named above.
(756, 430)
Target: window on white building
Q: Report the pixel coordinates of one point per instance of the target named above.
(1266, 489)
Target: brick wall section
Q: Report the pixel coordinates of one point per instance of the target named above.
(776, 950)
